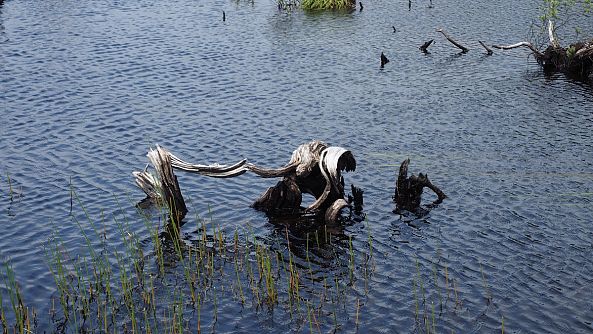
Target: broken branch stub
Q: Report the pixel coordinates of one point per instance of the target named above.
(463, 48)
(408, 190)
(164, 186)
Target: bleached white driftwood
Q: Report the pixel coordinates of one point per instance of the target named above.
(314, 168)
(518, 45)
(552, 36)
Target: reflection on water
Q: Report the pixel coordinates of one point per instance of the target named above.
(87, 87)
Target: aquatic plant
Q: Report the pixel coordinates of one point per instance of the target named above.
(160, 280)
(328, 4)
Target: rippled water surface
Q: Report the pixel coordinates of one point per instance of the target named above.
(86, 87)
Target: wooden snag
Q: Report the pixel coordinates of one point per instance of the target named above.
(314, 168)
(576, 61)
(408, 190)
(285, 197)
(424, 47)
(461, 47)
(356, 198)
(164, 187)
(488, 50)
(384, 60)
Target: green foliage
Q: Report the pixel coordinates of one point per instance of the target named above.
(570, 51)
(556, 9)
(328, 4)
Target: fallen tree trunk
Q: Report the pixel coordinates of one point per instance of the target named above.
(408, 190)
(314, 168)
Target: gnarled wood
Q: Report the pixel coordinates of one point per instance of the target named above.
(164, 186)
(408, 191)
(314, 168)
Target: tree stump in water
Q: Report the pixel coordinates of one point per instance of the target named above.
(408, 190)
(164, 187)
(314, 168)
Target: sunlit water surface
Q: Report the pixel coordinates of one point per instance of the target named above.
(87, 87)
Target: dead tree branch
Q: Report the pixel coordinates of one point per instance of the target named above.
(488, 50)
(463, 48)
(408, 190)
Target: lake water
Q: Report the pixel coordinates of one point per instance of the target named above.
(87, 87)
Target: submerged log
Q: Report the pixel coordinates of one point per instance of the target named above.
(314, 168)
(408, 190)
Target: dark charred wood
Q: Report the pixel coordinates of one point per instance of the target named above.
(356, 199)
(425, 46)
(285, 197)
(384, 59)
(408, 191)
(463, 48)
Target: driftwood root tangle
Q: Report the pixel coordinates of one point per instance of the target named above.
(575, 61)
(408, 190)
(314, 168)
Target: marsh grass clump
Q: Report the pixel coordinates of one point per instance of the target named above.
(161, 279)
(328, 4)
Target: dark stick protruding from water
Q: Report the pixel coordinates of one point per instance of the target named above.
(425, 46)
(394, 30)
(361, 6)
(463, 48)
(223, 16)
(384, 60)
(488, 50)
(409, 4)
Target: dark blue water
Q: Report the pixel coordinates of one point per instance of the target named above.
(87, 87)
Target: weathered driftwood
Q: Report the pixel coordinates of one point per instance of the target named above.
(576, 60)
(408, 190)
(463, 48)
(518, 45)
(164, 186)
(314, 168)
